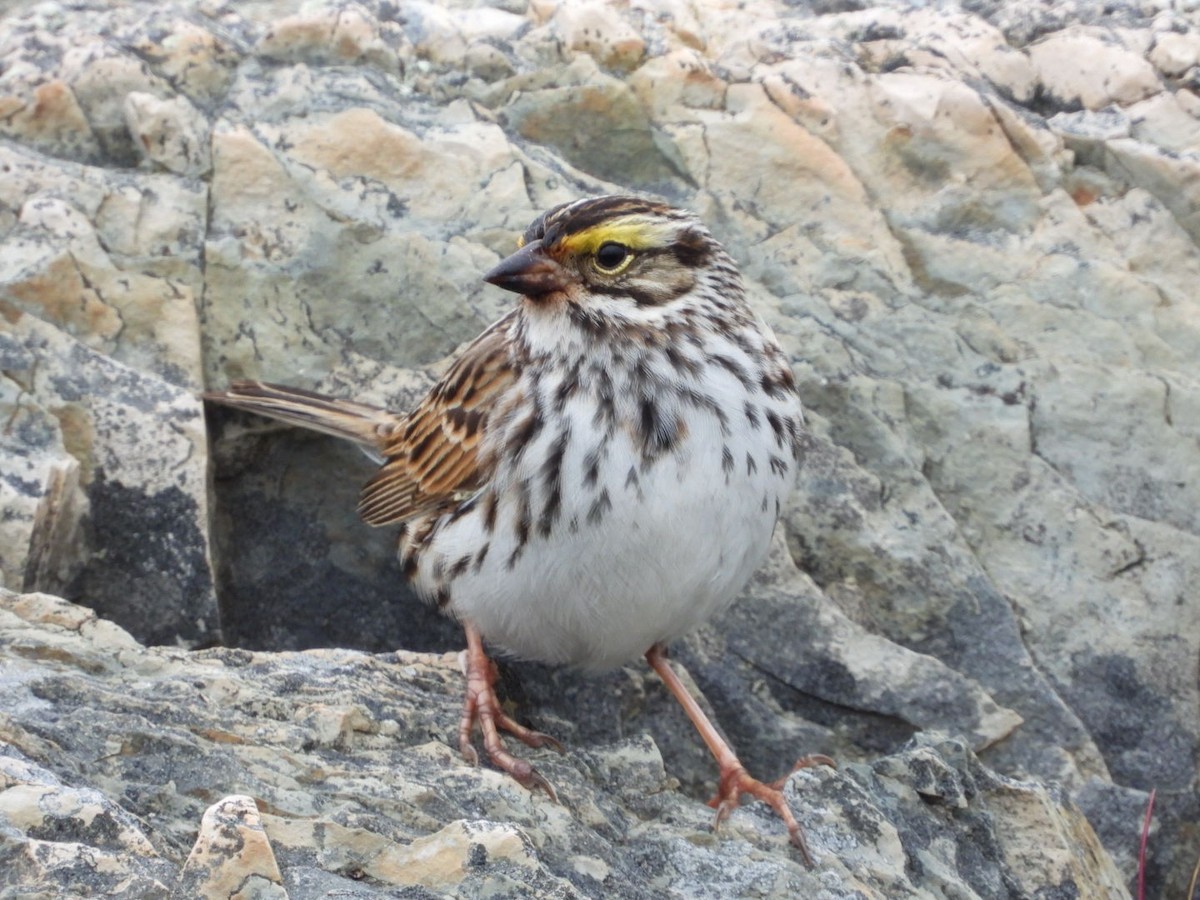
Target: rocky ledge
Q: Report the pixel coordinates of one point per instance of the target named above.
(128, 771)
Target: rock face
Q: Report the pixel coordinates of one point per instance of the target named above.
(330, 773)
(974, 229)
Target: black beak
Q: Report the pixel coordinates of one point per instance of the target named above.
(529, 271)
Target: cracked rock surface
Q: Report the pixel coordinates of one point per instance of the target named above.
(973, 228)
(227, 773)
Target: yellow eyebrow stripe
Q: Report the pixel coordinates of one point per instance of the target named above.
(635, 232)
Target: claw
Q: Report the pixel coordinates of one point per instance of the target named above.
(468, 749)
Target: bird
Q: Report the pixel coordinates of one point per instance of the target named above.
(596, 474)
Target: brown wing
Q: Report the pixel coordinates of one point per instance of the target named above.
(434, 455)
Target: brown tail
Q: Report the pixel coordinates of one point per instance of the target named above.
(358, 422)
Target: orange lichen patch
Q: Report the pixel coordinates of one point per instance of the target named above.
(53, 114)
(10, 313)
(1084, 196)
(221, 737)
(60, 294)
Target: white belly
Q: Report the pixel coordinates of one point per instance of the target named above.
(668, 550)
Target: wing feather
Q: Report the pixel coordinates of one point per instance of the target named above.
(367, 425)
(435, 456)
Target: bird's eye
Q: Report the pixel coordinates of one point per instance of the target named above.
(611, 257)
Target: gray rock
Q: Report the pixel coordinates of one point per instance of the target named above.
(325, 771)
(104, 485)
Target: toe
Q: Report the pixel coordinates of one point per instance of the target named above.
(527, 736)
(804, 762)
(735, 781)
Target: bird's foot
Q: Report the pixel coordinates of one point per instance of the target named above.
(736, 781)
(482, 707)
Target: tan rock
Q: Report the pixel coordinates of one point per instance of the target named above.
(232, 857)
(1170, 177)
(596, 122)
(808, 180)
(40, 539)
(1174, 53)
(1067, 850)
(101, 78)
(195, 59)
(1168, 121)
(442, 860)
(929, 40)
(61, 839)
(350, 248)
(171, 133)
(48, 116)
(917, 109)
(111, 260)
(670, 84)
(439, 36)
(441, 166)
(488, 23)
(685, 22)
(594, 29)
(329, 33)
(1091, 69)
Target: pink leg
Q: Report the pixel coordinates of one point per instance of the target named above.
(734, 779)
(483, 706)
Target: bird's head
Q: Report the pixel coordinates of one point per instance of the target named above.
(620, 251)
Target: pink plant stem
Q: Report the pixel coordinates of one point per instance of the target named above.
(1141, 891)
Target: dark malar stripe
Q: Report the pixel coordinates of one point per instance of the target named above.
(591, 322)
(552, 467)
(780, 385)
(681, 362)
(647, 294)
(550, 511)
(526, 432)
(567, 388)
(606, 409)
